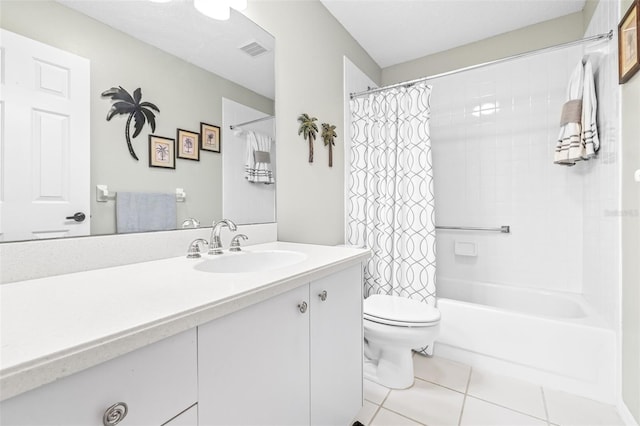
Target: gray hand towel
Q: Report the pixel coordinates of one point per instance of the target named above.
(140, 211)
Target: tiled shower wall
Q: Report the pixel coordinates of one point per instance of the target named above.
(493, 136)
(602, 214)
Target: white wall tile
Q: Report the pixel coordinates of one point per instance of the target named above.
(500, 171)
(601, 186)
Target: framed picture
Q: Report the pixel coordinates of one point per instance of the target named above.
(188, 147)
(162, 152)
(209, 137)
(629, 43)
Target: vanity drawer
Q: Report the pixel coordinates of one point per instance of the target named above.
(156, 383)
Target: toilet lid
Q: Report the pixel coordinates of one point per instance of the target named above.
(395, 310)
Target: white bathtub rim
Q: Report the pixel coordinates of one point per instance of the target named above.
(595, 320)
(591, 318)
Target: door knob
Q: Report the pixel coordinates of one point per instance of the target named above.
(303, 307)
(323, 295)
(78, 217)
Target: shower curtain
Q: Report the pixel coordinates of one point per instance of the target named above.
(391, 199)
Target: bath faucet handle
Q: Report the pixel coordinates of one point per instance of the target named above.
(235, 242)
(191, 222)
(194, 248)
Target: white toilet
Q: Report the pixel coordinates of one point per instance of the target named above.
(393, 326)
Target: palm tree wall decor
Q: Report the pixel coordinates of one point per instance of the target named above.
(139, 112)
(308, 129)
(328, 135)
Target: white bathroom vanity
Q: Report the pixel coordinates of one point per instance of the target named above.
(173, 343)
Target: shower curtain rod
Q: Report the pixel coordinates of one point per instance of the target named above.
(268, 117)
(409, 83)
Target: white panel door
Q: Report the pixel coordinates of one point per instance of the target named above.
(253, 365)
(44, 140)
(336, 347)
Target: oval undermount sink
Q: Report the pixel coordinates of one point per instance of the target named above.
(250, 261)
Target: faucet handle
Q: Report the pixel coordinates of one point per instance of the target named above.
(235, 242)
(191, 222)
(194, 248)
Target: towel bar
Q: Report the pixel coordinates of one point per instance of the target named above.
(103, 195)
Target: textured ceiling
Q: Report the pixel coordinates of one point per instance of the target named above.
(396, 31)
(179, 29)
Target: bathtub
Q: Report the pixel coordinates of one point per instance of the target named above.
(553, 339)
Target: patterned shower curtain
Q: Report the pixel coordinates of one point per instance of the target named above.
(391, 199)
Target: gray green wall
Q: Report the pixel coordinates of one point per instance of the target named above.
(310, 45)
(544, 34)
(185, 94)
(630, 125)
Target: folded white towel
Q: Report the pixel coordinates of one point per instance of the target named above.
(258, 158)
(578, 139)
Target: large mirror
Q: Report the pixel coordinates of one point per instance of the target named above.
(193, 68)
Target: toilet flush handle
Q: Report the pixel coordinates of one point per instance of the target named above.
(323, 295)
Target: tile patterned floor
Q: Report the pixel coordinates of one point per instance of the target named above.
(447, 393)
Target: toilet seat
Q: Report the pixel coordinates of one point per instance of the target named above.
(399, 311)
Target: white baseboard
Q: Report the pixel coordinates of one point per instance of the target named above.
(626, 415)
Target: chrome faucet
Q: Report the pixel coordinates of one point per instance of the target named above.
(215, 245)
(194, 248)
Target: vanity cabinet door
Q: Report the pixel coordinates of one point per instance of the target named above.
(254, 364)
(336, 347)
(156, 382)
(187, 418)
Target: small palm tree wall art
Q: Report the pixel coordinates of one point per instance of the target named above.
(308, 129)
(162, 152)
(139, 112)
(328, 135)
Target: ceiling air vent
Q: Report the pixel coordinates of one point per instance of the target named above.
(253, 49)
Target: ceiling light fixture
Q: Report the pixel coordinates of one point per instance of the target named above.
(238, 4)
(216, 9)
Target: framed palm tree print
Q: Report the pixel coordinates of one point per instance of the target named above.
(209, 137)
(162, 152)
(188, 147)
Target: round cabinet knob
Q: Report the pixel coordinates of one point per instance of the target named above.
(78, 217)
(303, 307)
(323, 295)
(115, 414)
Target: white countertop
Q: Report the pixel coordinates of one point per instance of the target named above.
(53, 327)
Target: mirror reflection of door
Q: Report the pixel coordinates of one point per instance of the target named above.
(44, 114)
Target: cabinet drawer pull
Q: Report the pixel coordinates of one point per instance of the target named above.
(115, 414)
(303, 307)
(323, 295)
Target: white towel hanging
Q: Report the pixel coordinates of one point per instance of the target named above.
(590, 140)
(578, 138)
(258, 158)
